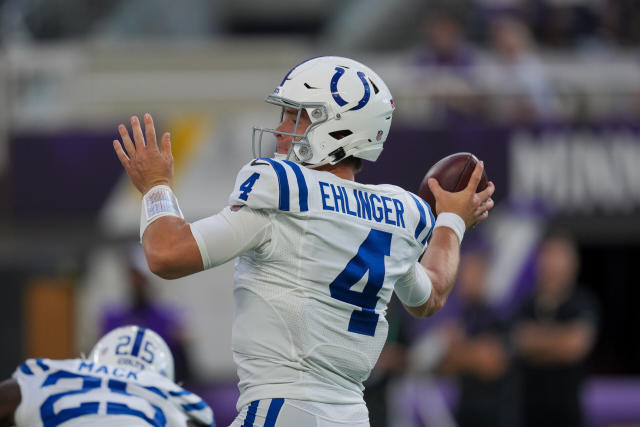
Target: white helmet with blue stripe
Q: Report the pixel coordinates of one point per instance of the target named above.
(136, 348)
(349, 105)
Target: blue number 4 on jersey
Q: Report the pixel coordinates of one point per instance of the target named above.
(370, 257)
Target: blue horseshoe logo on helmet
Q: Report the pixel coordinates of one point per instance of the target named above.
(336, 96)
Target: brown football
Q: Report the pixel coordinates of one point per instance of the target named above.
(453, 174)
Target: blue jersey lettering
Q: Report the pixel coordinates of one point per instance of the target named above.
(362, 204)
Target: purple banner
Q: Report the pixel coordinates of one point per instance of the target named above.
(66, 175)
(579, 170)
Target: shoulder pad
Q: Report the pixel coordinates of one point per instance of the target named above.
(424, 219)
(33, 367)
(192, 405)
(271, 184)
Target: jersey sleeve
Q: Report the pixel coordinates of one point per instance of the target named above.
(414, 288)
(193, 406)
(422, 219)
(272, 185)
(228, 234)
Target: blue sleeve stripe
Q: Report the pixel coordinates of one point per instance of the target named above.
(42, 365)
(138, 342)
(25, 369)
(273, 412)
(283, 183)
(303, 191)
(156, 391)
(432, 222)
(194, 406)
(423, 217)
(251, 414)
(180, 393)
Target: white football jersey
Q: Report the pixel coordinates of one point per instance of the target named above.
(79, 392)
(311, 300)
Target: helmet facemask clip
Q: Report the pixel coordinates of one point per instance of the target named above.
(300, 150)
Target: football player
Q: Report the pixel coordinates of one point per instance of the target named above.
(319, 254)
(126, 381)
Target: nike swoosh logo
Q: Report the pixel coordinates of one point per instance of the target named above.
(255, 162)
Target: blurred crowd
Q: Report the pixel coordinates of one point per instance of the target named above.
(522, 367)
(481, 59)
(555, 24)
(478, 59)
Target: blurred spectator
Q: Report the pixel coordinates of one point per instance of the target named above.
(477, 351)
(447, 60)
(620, 22)
(554, 333)
(445, 44)
(518, 78)
(145, 312)
(565, 24)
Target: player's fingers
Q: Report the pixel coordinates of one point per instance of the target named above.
(487, 192)
(126, 140)
(479, 218)
(489, 204)
(486, 206)
(476, 176)
(138, 137)
(434, 186)
(165, 144)
(150, 131)
(122, 156)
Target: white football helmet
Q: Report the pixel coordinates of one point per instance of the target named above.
(135, 348)
(349, 105)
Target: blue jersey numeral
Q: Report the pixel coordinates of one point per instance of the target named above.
(370, 257)
(247, 186)
(52, 419)
(124, 341)
(148, 351)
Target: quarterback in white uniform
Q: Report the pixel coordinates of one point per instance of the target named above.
(319, 255)
(126, 381)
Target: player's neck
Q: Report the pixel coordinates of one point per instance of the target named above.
(339, 170)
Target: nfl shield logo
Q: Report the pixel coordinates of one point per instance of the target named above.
(393, 105)
(379, 136)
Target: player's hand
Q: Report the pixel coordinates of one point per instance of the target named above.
(472, 207)
(145, 163)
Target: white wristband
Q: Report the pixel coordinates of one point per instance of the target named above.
(158, 202)
(453, 221)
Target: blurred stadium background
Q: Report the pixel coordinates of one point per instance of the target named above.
(546, 92)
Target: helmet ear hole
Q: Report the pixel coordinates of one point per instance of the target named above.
(339, 134)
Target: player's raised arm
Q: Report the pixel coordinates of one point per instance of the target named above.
(457, 212)
(169, 245)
